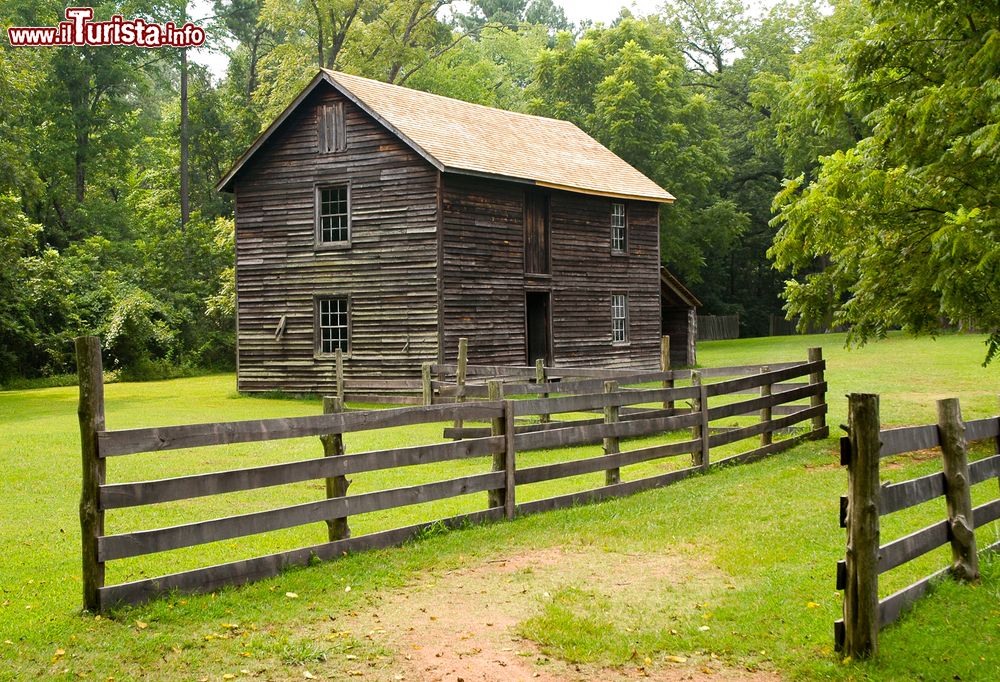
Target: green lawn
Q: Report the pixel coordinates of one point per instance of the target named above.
(768, 531)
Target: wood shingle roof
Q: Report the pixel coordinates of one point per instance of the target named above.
(472, 139)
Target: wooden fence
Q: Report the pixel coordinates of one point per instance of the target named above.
(718, 327)
(864, 613)
(502, 441)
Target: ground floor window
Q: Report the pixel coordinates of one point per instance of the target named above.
(332, 325)
(619, 318)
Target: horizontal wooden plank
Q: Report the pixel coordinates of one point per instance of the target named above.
(591, 401)
(771, 448)
(247, 570)
(547, 472)
(740, 433)
(775, 388)
(584, 385)
(982, 429)
(890, 608)
(773, 376)
(118, 495)
(909, 547)
(986, 513)
(607, 492)
(756, 404)
(898, 496)
(138, 543)
(984, 469)
(580, 435)
(111, 443)
(908, 439)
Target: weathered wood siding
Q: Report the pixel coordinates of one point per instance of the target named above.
(389, 272)
(483, 280)
(680, 323)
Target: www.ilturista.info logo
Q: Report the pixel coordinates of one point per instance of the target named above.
(78, 29)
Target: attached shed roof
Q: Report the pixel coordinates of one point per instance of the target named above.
(471, 139)
(672, 287)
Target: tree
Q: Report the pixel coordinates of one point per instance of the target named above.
(902, 229)
(626, 86)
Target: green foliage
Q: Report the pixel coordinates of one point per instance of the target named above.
(626, 86)
(904, 225)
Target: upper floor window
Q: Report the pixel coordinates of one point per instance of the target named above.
(332, 131)
(332, 325)
(333, 215)
(619, 228)
(619, 318)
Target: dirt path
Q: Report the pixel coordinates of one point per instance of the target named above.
(461, 625)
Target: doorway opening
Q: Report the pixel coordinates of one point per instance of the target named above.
(538, 326)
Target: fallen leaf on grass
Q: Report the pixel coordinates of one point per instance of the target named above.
(142, 626)
(811, 605)
(291, 595)
(676, 659)
(308, 675)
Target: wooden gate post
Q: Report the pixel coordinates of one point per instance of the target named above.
(425, 382)
(336, 486)
(540, 379)
(91, 413)
(611, 443)
(460, 372)
(340, 376)
(498, 427)
(958, 495)
(766, 437)
(819, 421)
(509, 460)
(700, 430)
(861, 619)
(665, 367)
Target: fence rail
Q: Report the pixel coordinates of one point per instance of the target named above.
(626, 413)
(857, 575)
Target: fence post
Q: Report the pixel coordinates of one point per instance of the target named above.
(819, 421)
(460, 372)
(861, 619)
(958, 495)
(91, 413)
(336, 486)
(540, 379)
(497, 498)
(509, 460)
(766, 438)
(668, 383)
(611, 476)
(425, 381)
(700, 430)
(340, 376)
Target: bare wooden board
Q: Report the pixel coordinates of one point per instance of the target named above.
(898, 496)
(740, 433)
(770, 449)
(984, 469)
(986, 513)
(197, 435)
(908, 439)
(185, 535)
(547, 472)
(909, 547)
(890, 608)
(579, 435)
(617, 490)
(593, 401)
(115, 496)
(756, 380)
(982, 429)
(247, 570)
(755, 404)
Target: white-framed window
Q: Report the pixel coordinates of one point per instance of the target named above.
(332, 130)
(333, 214)
(619, 318)
(333, 328)
(619, 227)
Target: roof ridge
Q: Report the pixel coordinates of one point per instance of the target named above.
(334, 74)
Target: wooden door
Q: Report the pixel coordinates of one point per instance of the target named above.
(538, 326)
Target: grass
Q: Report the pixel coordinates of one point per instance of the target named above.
(768, 531)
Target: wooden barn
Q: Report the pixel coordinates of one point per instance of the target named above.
(680, 319)
(390, 222)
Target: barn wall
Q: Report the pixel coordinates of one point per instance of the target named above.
(483, 280)
(389, 271)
